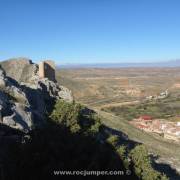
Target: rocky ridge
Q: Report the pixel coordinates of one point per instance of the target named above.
(25, 99)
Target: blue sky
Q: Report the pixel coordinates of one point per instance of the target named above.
(90, 31)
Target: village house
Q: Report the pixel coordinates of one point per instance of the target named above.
(162, 95)
(170, 130)
(145, 118)
(156, 126)
(171, 136)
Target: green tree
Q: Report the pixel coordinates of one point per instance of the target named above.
(75, 117)
(122, 151)
(113, 140)
(142, 164)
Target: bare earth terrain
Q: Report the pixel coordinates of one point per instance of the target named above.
(103, 86)
(121, 94)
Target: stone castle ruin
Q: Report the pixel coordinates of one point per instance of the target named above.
(47, 70)
(27, 92)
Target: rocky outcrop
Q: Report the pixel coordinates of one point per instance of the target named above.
(26, 99)
(20, 69)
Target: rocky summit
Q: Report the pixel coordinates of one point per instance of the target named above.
(25, 98)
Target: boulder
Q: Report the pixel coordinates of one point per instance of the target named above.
(9, 120)
(2, 79)
(20, 69)
(65, 94)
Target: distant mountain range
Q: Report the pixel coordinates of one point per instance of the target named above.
(173, 63)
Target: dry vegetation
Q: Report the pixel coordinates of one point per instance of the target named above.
(97, 87)
(120, 88)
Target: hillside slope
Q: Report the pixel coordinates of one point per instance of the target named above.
(43, 131)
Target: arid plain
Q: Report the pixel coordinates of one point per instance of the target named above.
(99, 87)
(121, 94)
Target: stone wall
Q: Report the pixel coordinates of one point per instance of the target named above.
(47, 70)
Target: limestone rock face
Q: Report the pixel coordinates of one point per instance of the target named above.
(9, 120)
(65, 94)
(20, 69)
(25, 99)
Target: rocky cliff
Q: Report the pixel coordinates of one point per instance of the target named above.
(26, 99)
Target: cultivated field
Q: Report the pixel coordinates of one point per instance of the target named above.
(98, 87)
(119, 95)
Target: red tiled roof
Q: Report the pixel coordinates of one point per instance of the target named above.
(145, 117)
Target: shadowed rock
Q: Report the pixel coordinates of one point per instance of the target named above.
(25, 98)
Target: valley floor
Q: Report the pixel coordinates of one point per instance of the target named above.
(107, 91)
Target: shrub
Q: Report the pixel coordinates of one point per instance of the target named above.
(67, 114)
(142, 164)
(113, 140)
(75, 117)
(122, 151)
